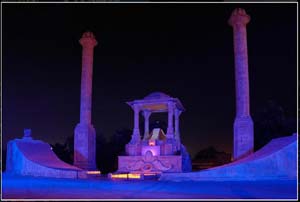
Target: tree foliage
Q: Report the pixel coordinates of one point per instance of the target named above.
(107, 151)
(272, 121)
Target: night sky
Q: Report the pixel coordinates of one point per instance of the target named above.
(184, 50)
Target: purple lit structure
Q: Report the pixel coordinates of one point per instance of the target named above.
(85, 133)
(156, 152)
(243, 125)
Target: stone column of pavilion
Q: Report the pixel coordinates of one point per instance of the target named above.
(146, 117)
(85, 133)
(177, 131)
(170, 130)
(136, 137)
(243, 124)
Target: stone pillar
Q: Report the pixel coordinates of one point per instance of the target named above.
(146, 117)
(177, 131)
(136, 137)
(170, 130)
(243, 124)
(85, 134)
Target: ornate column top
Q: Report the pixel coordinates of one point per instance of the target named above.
(88, 40)
(146, 113)
(136, 107)
(171, 105)
(177, 112)
(238, 17)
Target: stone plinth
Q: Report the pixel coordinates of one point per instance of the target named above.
(153, 164)
(85, 147)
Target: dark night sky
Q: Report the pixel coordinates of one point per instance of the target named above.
(184, 50)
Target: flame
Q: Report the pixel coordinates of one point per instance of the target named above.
(151, 142)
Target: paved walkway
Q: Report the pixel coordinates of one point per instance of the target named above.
(48, 188)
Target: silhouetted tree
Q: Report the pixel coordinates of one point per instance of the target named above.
(103, 154)
(117, 144)
(212, 156)
(70, 147)
(62, 152)
(107, 152)
(272, 121)
(207, 153)
(119, 139)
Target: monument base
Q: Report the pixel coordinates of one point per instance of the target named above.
(243, 137)
(85, 147)
(154, 156)
(150, 164)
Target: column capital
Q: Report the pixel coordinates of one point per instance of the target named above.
(238, 17)
(88, 40)
(136, 107)
(177, 112)
(146, 113)
(171, 105)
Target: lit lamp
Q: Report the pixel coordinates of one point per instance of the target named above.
(151, 142)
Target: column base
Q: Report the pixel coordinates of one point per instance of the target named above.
(243, 137)
(170, 133)
(146, 136)
(170, 136)
(85, 147)
(135, 137)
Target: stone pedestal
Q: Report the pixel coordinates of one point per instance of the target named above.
(85, 147)
(243, 137)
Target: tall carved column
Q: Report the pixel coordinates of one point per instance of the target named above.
(146, 117)
(243, 124)
(85, 134)
(170, 130)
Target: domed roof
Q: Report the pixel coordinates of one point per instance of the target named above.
(157, 96)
